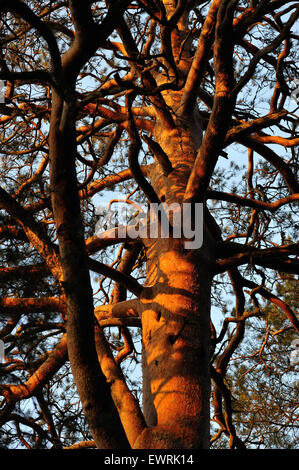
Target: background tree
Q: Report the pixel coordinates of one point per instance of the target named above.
(263, 381)
(165, 101)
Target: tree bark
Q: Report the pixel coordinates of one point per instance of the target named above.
(94, 392)
(176, 314)
(176, 345)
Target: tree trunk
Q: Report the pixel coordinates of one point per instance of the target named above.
(176, 318)
(176, 332)
(94, 392)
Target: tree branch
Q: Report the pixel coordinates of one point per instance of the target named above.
(89, 35)
(271, 157)
(111, 180)
(120, 310)
(253, 203)
(274, 258)
(12, 305)
(133, 153)
(159, 154)
(245, 128)
(40, 377)
(198, 66)
(129, 282)
(127, 406)
(222, 107)
(21, 9)
(35, 233)
(274, 300)
(264, 52)
(27, 271)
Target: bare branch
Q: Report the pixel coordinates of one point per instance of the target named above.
(222, 108)
(40, 377)
(254, 203)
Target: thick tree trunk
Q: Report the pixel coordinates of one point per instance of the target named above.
(176, 316)
(176, 332)
(100, 411)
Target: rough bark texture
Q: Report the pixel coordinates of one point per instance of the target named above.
(175, 332)
(155, 104)
(176, 315)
